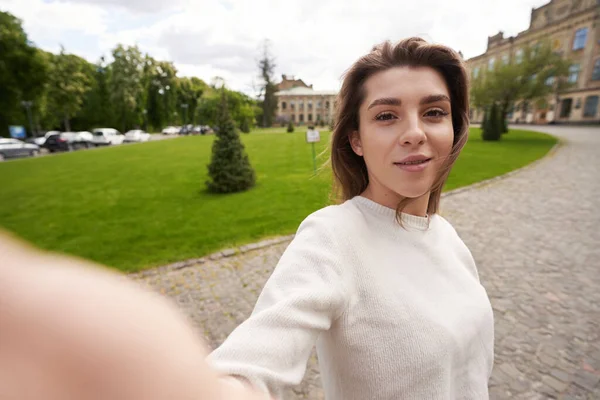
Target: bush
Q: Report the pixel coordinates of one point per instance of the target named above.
(229, 169)
(245, 126)
(491, 126)
(290, 127)
(321, 123)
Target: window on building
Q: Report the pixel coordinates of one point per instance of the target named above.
(301, 105)
(327, 105)
(574, 73)
(491, 63)
(596, 72)
(591, 106)
(310, 104)
(283, 105)
(301, 117)
(519, 56)
(318, 117)
(309, 117)
(293, 118)
(475, 72)
(292, 105)
(319, 104)
(565, 109)
(505, 59)
(580, 38)
(550, 81)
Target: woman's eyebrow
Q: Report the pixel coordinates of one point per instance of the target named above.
(434, 98)
(386, 101)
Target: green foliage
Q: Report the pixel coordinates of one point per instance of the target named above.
(154, 214)
(162, 93)
(290, 127)
(229, 170)
(126, 86)
(23, 73)
(70, 80)
(492, 129)
(526, 80)
(97, 108)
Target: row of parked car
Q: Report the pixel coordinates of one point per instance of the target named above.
(187, 130)
(54, 141)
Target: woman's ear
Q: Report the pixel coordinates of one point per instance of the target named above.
(356, 143)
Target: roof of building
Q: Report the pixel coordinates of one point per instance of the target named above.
(300, 91)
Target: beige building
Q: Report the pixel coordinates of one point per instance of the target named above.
(573, 28)
(301, 104)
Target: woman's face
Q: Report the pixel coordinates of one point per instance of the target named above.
(405, 133)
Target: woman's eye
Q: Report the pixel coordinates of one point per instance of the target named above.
(385, 116)
(436, 113)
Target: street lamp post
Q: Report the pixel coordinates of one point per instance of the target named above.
(27, 105)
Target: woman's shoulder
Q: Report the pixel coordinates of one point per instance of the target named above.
(334, 218)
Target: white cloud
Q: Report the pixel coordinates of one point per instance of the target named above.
(316, 40)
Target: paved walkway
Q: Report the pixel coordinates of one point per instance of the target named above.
(536, 239)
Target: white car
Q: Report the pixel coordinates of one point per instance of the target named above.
(136, 136)
(170, 130)
(107, 136)
(12, 148)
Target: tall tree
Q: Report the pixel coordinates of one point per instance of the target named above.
(268, 101)
(126, 86)
(188, 95)
(97, 109)
(229, 169)
(69, 82)
(161, 103)
(541, 72)
(23, 72)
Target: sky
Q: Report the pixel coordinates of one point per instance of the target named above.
(315, 40)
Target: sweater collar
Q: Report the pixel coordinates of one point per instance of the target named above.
(408, 220)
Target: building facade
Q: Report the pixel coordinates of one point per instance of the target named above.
(301, 104)
(573, 29)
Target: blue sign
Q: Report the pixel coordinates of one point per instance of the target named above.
(17, 132)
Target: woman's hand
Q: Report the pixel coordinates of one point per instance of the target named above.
(73, 330)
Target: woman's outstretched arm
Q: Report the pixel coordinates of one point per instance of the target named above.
(70, 329)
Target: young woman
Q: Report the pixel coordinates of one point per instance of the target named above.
(381, 283)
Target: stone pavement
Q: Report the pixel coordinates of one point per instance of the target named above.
(536, 239)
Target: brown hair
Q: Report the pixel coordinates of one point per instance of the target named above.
(349, 169)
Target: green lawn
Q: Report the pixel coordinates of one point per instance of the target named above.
(143, 205)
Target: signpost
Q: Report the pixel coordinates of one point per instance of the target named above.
(17, 132)
(312, 137)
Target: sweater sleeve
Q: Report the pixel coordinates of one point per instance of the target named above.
(303, 296)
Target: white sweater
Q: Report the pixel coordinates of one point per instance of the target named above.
(396, 312)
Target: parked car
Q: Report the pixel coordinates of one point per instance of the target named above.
(68, 141)
(107, 137)
(11, 148)
(186, 129)
(40, 140)
(136, 136)
(170, 130)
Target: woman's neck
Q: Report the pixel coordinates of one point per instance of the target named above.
(390, 199)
